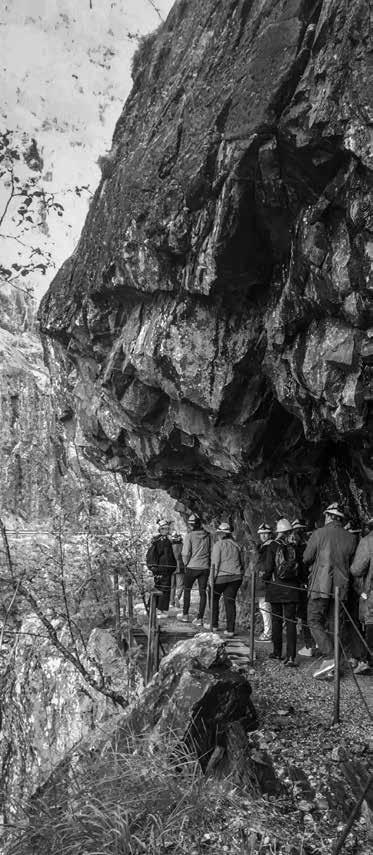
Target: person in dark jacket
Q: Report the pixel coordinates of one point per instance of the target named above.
(196, 555)
(300, 540)
(329, 553)
(226, 577)
(177, 578)
(267, 544)
(362, 571)
(161, 561)
(282, 576)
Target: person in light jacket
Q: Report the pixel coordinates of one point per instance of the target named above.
(362, 570)
(226, 577)
(329, 553)
(266, 545)
(195, 553)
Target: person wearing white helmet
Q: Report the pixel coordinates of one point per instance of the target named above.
(177, 578)
(226, 573)
(362, 573)
(266, 545)
(196, 554)
(328, 554)
(161, 561)
(282, 578)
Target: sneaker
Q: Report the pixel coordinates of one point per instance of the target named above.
(183, 618)
(264, 637)
(326, 667)
(197, 621)
(228, 634)
(305, 651)
(290, 663)
(361, 668)
(162, 615)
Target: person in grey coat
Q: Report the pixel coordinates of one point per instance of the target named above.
(226, 577)
(362, 570)
(195, 554)
(329, 553)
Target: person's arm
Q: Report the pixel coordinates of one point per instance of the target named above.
(360, 564)
(310, 551)
(187, 550)
(215, 560)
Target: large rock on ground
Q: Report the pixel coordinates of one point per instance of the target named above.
(218, 307)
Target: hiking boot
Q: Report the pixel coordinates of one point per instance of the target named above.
(264, 637)
(361, 668)
(326, 667)
(290, 663)
(162, 615)
(228, 634)
(305, 651)
(183, 618)
(197, 621)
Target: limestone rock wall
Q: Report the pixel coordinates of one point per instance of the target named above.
(218, 308)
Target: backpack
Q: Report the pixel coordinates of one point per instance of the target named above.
(286, 561)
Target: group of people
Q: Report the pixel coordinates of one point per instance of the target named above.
(176, 565)
(297, 573)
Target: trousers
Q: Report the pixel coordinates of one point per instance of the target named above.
(177, 586)
(302, 615)
(320, 619)
(265, 611)
(190, 576)
(162, 582)
(284, 612)
(229, 591)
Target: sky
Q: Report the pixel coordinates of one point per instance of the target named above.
(65, 72)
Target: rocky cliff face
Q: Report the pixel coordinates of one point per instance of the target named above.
(218, 307)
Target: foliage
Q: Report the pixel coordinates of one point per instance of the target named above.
(25, 205)
(134, 801)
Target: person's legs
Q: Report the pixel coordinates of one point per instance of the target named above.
(218, 590)
(203, 578)
(189, 579)
(369, 641)
(265, 611)
(163, 583)
(290, 612)
(277, 628)
(173, 589)
(302, 614)
(230, 594)
(318, 614)
(179, 586)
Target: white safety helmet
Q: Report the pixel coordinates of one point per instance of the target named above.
(297, 525)
(264, 529)
(162, 522)
(224, 528)
(283, 526)
(334, 510)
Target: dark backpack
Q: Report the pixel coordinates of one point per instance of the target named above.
(286, 562)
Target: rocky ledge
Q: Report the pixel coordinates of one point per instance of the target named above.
(218, 308)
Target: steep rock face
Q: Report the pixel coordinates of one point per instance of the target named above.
(29, 445)
(218, 306)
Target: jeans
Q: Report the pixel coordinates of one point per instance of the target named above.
(229, 591)
(177, 586)
(190, 577)
(287, 612)
(320, 618)
(265, 611)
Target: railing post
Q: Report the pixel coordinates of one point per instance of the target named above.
(252, 618)
(151, 634)
(337, 676)
(130, 613)
(157, 639)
